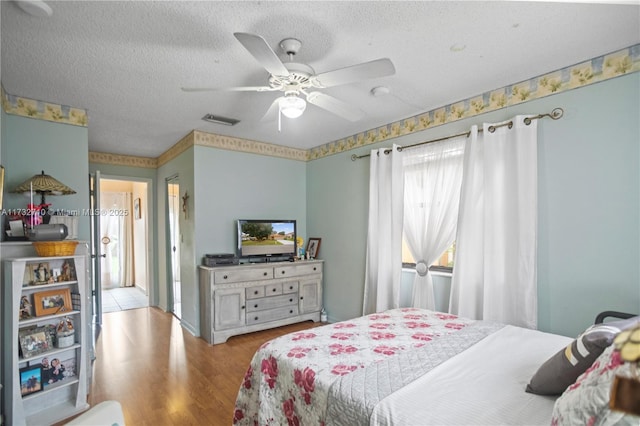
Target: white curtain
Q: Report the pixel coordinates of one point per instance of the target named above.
(384, 238)
(117, 238)
(494, 276)
(433, 176)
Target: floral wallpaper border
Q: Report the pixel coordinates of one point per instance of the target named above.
(41, 110)
(123, 160)
(624, 61)
(601, 68)
(254, 147)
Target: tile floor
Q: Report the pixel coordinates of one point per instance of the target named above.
(123, 298)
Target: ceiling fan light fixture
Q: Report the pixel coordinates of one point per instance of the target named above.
(292, 106)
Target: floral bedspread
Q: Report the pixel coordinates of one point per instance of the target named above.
(289, 378)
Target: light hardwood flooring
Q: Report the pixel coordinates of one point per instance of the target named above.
(163, 375)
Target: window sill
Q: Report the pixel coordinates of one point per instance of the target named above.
(436, 271)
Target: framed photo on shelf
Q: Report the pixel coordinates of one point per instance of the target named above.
(313, 247)
(34, 341)
(26, 308)
(52, 301)
(37, 273)
(31, 379)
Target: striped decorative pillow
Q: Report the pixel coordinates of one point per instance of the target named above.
(562, 369)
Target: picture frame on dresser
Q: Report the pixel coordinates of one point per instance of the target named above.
(31, 379)
(52, 302)
(313, 247)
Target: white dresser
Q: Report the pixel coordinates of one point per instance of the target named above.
(251, 297)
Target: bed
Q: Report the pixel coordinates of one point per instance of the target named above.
(402, 367)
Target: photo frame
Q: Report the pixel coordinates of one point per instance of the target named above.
(34, 341)
(137, 212)
(37, 273)
(31, 379)
(52, 301)
(26, 308)
(313, 247)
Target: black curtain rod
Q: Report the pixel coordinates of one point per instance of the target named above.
(556, 114)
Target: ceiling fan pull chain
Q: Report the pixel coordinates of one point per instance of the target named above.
(279, 119)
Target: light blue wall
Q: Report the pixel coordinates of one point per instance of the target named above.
(61, 150)
(233, 185)
(589, 207)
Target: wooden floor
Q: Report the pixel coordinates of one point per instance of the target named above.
(162, 375)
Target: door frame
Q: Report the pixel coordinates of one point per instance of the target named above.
(150, 210)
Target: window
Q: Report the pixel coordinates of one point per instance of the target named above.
(432, 183)
(444, 262)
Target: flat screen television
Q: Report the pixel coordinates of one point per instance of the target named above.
(264, 240)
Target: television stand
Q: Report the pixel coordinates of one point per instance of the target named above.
(251, 297)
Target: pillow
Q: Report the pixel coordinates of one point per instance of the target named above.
(563, 368)
(586, 402)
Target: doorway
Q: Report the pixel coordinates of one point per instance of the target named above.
(123, 233)
(173, 242)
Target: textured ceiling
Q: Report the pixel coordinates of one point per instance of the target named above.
(125, 61)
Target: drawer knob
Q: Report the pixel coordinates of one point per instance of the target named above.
(283, 272)
(256, 318)
(225, 277)
(273, 289)
(314, 268)
(291, 311)
(242, 307)
(264, 273)
(255, 306)
(291, 300)
(290, 287)
(255, 292)
(301, 297)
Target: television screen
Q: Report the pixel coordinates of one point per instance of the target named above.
(265, 238)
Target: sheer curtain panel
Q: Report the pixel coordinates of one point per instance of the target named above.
(432, 180)
(494, 277)
(384, 237)
(117, 239)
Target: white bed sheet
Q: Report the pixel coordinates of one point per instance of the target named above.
(484, 385)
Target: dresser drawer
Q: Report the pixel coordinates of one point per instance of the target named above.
(239, 275)
(271, 314)
(272, 289)
(297, 270)
(290, 287)
(272, 302)
(254, 292)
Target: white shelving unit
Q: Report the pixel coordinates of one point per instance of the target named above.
(66, 396)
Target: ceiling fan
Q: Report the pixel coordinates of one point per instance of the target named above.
(299, 81)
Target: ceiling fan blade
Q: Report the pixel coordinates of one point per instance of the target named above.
(259, 48)
(271, 113)
(230, 89)
(366, 70)
(335, 106)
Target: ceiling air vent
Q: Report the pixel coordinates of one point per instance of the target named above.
(218, 119)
